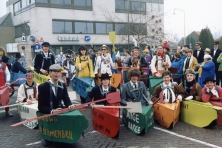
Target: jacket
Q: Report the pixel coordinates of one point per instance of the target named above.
(192, 64)
(219, 61)
(42, 62)
(207, 97)
(178, 64)
(16, 67)
(86, 68)
(215, 57)
(200, 57)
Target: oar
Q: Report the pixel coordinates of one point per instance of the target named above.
(134, 107)
(19, 79)
(25, 103)
(110, 98)
(130, 67)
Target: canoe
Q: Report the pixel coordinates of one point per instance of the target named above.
(139, 123)
(28, 112)
(66, 127)
(154, 81)
(15, 76)
(200, 114)
(167, 114)
(106, 121)
(4, 95)
(80, 85)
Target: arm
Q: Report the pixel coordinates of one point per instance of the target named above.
(92, 75)
(7, 74)
(43, 102)
(123, 95)
(180, 69)
(205, 97)
(168, 61)
(22, 69)
(65, 97)
(98, 63)
(208, 66)
(21, 95)
(90, 95)
(38, 62)
(219, 59)
(152, 65)
(143, 62)
(145, 93)
(198, 96)
(156, 93)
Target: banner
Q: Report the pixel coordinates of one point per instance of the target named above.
(139, 122)
(66, 128)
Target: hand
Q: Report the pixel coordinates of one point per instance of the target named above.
(158, 75)
(29, 101)
(150, 102)
(71, 107)
(87, 61)
(164, 63)
(208, 90)
(43, 71)
(7, 84)
(57, 110)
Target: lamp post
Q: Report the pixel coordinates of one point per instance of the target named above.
(184, 38)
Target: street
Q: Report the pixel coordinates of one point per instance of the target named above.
(182, 135)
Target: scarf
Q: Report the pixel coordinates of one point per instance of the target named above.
(189, 86)
(200, 70)
(161, 55)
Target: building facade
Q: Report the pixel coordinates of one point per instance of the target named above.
(67, 24)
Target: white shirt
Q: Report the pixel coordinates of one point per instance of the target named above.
(105, 90)
(53, 87)
(198, 52)
(133, 85)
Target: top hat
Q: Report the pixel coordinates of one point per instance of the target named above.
(105, 76)
(18, 55)
(216, 42)
(208, 79)
(55, 67)
(46, 44)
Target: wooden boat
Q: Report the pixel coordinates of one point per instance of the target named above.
(4, 95)
(28, 112)
(167, 114)
(139, 123)
(200, 114)
(106, 121)
(154, 81)
(66, 127)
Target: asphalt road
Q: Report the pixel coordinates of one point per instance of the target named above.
(182, 135)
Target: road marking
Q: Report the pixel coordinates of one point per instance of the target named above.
(34, 143)
(11, 109)
(188, 138)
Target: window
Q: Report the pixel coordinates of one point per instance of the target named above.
(121, 29)
(67, 2)
(42, 1)
(83, 4)
(57, 1)
(136, 29)
(61, 26)
(32, 1)
(121, 5)
(25, 3)
(17, 6)
(103, 28)
(84, 27)
(23, 28)
(135, 6)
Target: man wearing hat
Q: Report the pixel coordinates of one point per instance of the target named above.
(134, 90)
(67, 66)
(4, 80)
(17, 66)
(44, 59)
(51, 95)
(215, 52)
(100, 91)
(211, 92)
(198, 53)
(28, 91)
(207, 69)
(190, 87)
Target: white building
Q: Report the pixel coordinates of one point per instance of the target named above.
(66, 24)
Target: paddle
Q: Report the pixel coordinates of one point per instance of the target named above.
(134, 107)
(25, 103)
(130, 67)
(88, 89)
(110, 98)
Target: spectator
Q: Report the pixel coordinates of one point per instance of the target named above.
(198, 53)
(177, 63)
(215, 54)
(190, 62)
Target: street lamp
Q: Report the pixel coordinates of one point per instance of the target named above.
(184, 39)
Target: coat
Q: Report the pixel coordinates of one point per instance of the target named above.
(16, 67)
(178, 64)
(219, 61)
(128, 95)
(86, 68)
(192, 64)
(215, 57)
(48, 61)
(158, 89)
(142, 62)
(104, 64)
(208, 70)
(97, 94)
(207, 97)
(200, 58)
(44, 97)
(196, 91)
(157, 64)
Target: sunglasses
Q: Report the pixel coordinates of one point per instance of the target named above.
(103, 48)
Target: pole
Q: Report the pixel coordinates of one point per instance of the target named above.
(184, 37)
(128, 24)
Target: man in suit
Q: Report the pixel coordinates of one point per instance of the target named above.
(51, 95)
(198, 53)
(44, 60)
(134, 90)
(99, 92)
(215, 54)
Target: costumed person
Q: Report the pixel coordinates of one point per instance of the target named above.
(60, 59)
(173, 91)
(177, 63)
(104, 63)
(51, 95)
(207, 69)
(166, 44)
(190, 87)
(198, 53)
(136, 60)
(17, 66)
(148, 59)
(160, 62)
(44, 59)
(5, 80)
(134, 90)
(100, 91)
(28, 91)
(67, 66)
(190, 62)
(84, 66)
(124, 63)
(4, 58)
(212, 93)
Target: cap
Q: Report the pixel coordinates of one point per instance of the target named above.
(55, 67)
(46, 44)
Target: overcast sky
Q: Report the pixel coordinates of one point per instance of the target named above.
(198, 15)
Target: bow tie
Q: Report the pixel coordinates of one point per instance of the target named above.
(55, 85)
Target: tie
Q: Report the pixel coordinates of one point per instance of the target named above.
(187, 63)
(135, 85)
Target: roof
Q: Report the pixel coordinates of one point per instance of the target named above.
(197, 32)
(6, 20)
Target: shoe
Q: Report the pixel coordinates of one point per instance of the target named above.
(8, 114)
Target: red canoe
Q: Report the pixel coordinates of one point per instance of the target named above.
(107, 121)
